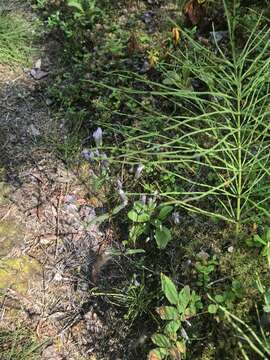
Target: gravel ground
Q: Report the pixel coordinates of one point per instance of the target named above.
(43, 213)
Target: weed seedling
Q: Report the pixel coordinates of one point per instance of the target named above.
(171, 342)
(149, 219)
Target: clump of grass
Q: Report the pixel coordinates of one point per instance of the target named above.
(19, 344)
(250, 340)
(15, 39)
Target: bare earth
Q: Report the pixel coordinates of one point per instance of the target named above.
(47, 253)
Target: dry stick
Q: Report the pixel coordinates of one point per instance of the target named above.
(221, 280)
(39, 204)
(7, 213)
(57, 221)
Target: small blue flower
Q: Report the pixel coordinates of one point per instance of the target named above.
(139, 171)
(97, 135)
(176, 217)
(184, 334)
(123, 197)
(104, 161)
(143, 199)
(86, 154)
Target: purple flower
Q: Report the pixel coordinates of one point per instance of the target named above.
(176, 217)
(184, 334)
(104, 160)
(70, 199)
(139, 171)
(119, 184)
(143, 199)
(86, 154)
(121, 193)
(151, 201)
(123, 197)
(97, 135)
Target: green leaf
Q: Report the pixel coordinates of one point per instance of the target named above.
(257, 239)
(168, 313)
(140, 217)
(184, 298)
(212, 308)
(267, 235)
(165, 212)
(171, 329)
(134, 251)
(136, 231)
(76, 4)
(162, 236)
(161, 340)
(169, 289)
(219, 299)
(266, 250)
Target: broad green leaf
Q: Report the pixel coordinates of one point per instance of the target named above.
(184, 298)
(169, 289)
(259, 240)
(136, 231)
(171, 329)
(219, 299)
(168, 313)
(212, 308)
(161, 340)
(76, 4)
(162, 236)
(138, 217)
(165, 212)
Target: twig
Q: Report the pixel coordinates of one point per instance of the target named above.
(6, 214)
(221, 280)
(57, 221)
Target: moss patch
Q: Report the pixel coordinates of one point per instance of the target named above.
(10, 236)
(18, 273)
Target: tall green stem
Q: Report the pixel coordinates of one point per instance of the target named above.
(239, 158)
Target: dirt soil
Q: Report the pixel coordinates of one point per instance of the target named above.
(48, 255)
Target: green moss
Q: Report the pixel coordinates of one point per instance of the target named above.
(10, 236)
(3, 190)
(245, 266)
(10, 232)
(209, 352)
(17, 273)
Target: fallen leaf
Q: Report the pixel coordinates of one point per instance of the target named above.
(194, 11)
(176, 35)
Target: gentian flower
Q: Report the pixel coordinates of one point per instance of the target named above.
(139, 171)
(97, 135)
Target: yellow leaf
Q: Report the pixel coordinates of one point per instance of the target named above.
(176, 35)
